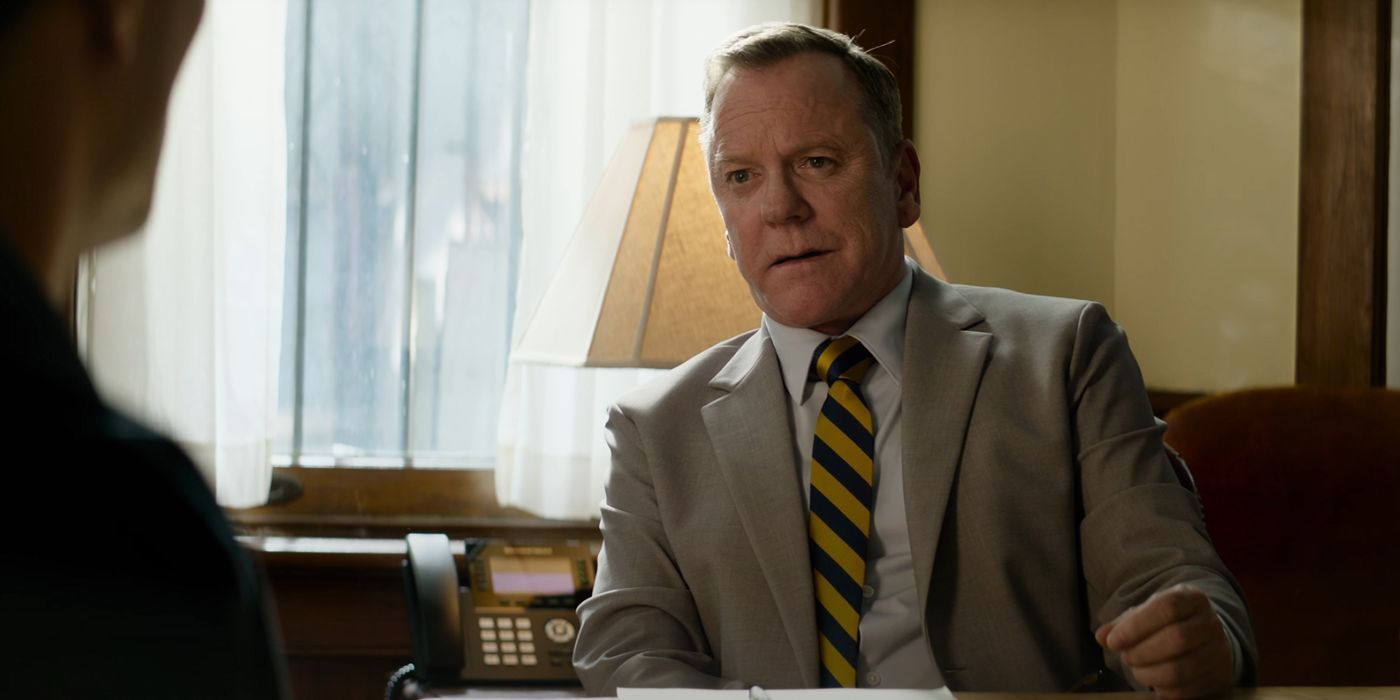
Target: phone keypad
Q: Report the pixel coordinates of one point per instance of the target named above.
(508, 641)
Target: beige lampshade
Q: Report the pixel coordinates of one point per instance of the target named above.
(646, 280)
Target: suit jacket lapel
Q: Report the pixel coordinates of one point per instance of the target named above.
(943, 365)
(751, 433)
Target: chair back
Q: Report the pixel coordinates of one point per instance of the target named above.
(1301, 490)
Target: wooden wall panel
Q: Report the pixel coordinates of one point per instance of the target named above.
(1343, 192)
(888, 25)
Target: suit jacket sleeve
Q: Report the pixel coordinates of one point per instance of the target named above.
(1142, 530)
(641, 627)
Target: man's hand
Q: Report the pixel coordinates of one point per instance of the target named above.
(1173, 643)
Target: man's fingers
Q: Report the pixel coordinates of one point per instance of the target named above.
(1174, 643)
(1175, 640)
(1162, 609)
(1101, 634)
(1196, 674)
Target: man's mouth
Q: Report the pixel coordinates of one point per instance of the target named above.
(805, 255)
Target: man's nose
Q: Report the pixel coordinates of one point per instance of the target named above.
(783, 202)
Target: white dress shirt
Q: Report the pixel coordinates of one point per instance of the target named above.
(893, 653)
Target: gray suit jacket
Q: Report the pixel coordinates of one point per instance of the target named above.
(1039, 498)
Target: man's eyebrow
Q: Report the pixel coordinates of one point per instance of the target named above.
(821, 145)
(720, 158)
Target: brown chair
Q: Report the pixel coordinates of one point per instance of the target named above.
(1301, 489)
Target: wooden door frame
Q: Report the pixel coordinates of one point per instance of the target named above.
(1343, 193)
(886, 29)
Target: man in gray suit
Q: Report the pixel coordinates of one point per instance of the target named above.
(894, 481)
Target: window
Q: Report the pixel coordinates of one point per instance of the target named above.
(404, 125)
(328, 272)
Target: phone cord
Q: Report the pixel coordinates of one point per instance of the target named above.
(395, 689)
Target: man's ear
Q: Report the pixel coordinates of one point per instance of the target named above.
(906, 180)
(729, 245)
(116, 27)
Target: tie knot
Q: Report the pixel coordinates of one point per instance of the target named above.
(842, 358)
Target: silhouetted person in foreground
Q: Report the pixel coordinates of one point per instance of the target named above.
(121, 576)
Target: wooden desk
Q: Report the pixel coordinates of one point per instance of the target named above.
(1387, 693)
(1391, 693)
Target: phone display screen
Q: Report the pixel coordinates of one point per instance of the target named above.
(531, 576)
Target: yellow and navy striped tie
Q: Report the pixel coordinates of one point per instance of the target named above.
(842, 498)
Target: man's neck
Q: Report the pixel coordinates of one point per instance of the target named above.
(896, 274)
(45, 159)
(40, 243)
(39, 198)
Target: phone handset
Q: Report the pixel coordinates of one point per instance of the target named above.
(435, 614)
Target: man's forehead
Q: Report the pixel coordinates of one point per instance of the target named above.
(746, 135)
(803, 76)
(804, 98)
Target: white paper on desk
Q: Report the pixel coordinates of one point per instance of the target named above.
(819, 694)
(680, 694)
(508, 693)
(860, 694)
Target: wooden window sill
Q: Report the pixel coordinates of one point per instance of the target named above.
(390, 503)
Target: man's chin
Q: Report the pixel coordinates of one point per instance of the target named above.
(121, 222)
(821, 317)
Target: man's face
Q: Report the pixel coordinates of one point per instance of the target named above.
(150, 47)
(813, 211)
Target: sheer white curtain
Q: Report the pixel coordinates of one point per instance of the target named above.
(595, 67)
(180, 325)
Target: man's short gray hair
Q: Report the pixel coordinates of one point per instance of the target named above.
(763, 45)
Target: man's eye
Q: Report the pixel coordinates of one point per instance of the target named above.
(818, 162)
(739, 177)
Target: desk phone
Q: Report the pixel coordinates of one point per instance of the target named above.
(510, 619)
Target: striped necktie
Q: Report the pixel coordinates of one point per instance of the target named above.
(842, 498)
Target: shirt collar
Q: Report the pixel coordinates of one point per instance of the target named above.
(880, 330)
